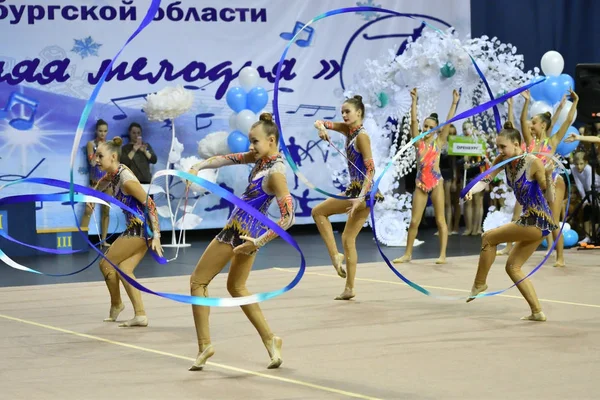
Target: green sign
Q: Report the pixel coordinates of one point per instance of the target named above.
(466, 146)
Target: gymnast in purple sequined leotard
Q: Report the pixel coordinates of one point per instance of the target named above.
(528, 179)
(243, 235)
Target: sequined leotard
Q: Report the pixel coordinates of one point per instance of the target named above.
(242, 224)
(529, 194)
(428, 174)
(358, 171)
(134, 226)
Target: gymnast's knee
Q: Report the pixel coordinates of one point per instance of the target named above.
(511, 268)
(487, 240)
(440, 221)
(316, 212)
(107, 270)
(237, 290)
(198, 287)
(348, 240)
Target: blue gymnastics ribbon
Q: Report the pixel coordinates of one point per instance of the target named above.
(47, 198)
(284, 148)
(91, 194)
(474, 111)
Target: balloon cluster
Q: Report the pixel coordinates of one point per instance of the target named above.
(547, 95)
(570, 237)
(245, 101)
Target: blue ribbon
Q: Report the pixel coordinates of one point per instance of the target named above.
(284, 148)
(474, 111)
(89, 194)
(73, 198)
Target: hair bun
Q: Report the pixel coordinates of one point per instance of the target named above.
(548, 114)
(433, 115)
(358, 97)
(267, 117)
(117, 140)
(508, 125)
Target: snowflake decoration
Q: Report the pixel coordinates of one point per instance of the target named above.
(368, 15)
(86, 47)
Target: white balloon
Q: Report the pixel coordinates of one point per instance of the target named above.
(244, 121)
(552, 63)
(248, 78)
(566, 228)
(539, 107)
(232, 121)
(562, 117)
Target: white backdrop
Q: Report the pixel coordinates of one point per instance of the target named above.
(205, 54)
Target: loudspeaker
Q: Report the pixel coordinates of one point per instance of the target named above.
(587, 86)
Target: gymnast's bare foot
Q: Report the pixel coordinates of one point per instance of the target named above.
(274, 348)
(347, 294)
(475, 291)
(559, 263)
(337, 264)
(140, 320)
(404, 259)
(539, 317)
(114, 312)
(441, 260)
(205, 353)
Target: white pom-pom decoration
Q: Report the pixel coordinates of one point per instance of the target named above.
(168, 103)
(495, 219)
(214, 144)
(176, 151)
(207, 174)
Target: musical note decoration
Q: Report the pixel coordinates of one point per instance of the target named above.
(300, 42)
(21, 123)
(316, 109)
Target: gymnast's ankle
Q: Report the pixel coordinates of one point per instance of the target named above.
(535, 316)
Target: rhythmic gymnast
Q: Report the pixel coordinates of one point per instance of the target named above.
(243, 235)
(361, 169)
(95, 175)
(528, 178)
(428, 177)
(538, 139)
(129, 248)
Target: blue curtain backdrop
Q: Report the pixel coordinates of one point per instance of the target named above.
(571, 27)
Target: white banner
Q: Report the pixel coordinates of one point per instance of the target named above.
(53, 55)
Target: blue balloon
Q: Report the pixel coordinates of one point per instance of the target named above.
(567, 82)
(257, 99)
(571, 237)
(554, 89)
(537, 91)
(544, 243)
(238, 142)
(564, 148)
(236, 99)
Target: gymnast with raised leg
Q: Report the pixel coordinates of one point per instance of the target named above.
(428, 177)
(129, 248)
(243, 235)
(537, 139)
(361, 169)
(528, 179)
